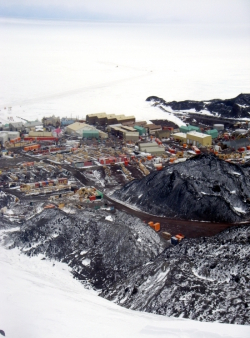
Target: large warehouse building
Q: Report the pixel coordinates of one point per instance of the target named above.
(199, 139)
(85, 130)
(106, 119)
(127, 133)
(152, 148)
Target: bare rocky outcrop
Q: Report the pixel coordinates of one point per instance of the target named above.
(206, 279)
(202, 188)
(237, 107)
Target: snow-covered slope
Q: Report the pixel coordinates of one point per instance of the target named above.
(39, 298)
(98, 250)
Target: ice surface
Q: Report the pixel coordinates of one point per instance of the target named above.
(79, 68)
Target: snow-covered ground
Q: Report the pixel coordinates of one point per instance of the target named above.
(39, 298)
(77, 68)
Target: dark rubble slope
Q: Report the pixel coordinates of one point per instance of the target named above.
(99, 251)
(202, 188)
(237, 107)
(206, 279)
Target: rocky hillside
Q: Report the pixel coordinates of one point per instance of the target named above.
(202, 188)
(206, 279)
(100, 247)
(237, 107)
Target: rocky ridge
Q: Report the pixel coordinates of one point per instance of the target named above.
(238, 107)
(202, 188)
(206, 279)
(99, 247)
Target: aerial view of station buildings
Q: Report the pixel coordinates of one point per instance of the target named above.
(69, 163)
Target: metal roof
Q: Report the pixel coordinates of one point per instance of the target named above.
(95, 115)
(131, 133)
(148, 144)
(16, 124)
(76, 126)
(195, 133)
(181, 135)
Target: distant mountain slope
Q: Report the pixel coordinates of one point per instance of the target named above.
(237, 107)
(206, 279)
(202, 188)
(98, 250)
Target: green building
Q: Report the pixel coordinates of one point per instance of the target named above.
(140, 129)
(92, 133)
(187, 129)
(213, 132)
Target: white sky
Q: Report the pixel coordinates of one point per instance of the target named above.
(212, 11)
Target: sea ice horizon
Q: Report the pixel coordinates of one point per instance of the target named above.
(77, 68)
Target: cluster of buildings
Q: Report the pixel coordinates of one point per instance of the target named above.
(194, 135)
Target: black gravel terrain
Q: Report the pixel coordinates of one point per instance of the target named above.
(98, 250)
(203, 188)
(206, 279)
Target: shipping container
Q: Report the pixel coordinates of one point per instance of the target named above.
(157, 227)
(41, 139)
(166, 235)
(32, 147)
(172, 151)
(174, 240)
(99, 193)
(180, 237)
(15, 140)
(62, 180)
(87, 164)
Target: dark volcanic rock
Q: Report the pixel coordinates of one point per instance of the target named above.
(206, 279)
(237, 107)
(99, 251)
(202, 188)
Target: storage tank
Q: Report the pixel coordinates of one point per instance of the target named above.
(218, 126)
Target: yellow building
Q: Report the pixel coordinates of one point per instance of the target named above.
(199, 139)
(180, 137)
